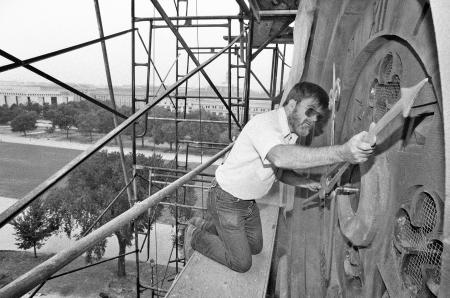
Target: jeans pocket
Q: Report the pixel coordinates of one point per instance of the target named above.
(229, 220)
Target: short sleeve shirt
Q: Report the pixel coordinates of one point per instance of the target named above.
(246, 173)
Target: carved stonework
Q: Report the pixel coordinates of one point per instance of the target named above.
(378, 16)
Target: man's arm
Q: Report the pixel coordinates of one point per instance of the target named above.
(292, 178)
(300, 157)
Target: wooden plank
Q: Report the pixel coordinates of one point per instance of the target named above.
(203, 277)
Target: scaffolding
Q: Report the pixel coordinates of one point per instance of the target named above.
(168, 180)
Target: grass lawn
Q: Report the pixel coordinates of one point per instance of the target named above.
(23, 167)
(89, 282)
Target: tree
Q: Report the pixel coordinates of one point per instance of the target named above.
(50, 113)
(5, 115)
(105, 121)
(34, 226)
(45, 110)
(87, 122)
(36, 107)
(65, 117)
(90, 189)
(8, 114)
(164, 132)
(24, 121)
(211, 132)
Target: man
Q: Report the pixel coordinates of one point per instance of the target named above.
(266, 144)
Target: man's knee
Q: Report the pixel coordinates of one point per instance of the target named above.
(257, 247)
(242, 266)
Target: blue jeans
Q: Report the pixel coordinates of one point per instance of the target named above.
(232, 231)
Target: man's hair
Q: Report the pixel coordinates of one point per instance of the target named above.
(305, 90)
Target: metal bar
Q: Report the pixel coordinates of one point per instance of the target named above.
(184, 18)
(15, 209)
(133, 82)
(43, 271)
(91, 265)
(133, 136)
(193, 26)
(107, 208)
(270, 39)
(154, 67)
(229, 79)
(187, 120)
(193, 58)
(331, 232)
(205, 52)
(254, 6)
(248, 62)
(237, 83)
(183, 206)
(175, 62)
(176, 177)
(310, 198)
(275, 72)
(277, 13)
(272, 74)
(136, 238)
(243, 6)
(259, 82)
(177, 5)
(219, 48)
(215, 97)
(205, 143)
(37, 289)
(206, 147)
(282, 68)
(59, 83)
(186, 160)
(153, 288)
(111, 95)
(59, 52)
(184, 185)
(147, 81)
(174, 170)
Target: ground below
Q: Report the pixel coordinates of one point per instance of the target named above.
(97, 281)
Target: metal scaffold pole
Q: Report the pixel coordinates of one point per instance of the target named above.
(229, 82)
(113, 102)
(248, 61)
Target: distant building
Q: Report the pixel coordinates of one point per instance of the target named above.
(17, 93)
(212, 104)
(24, 94)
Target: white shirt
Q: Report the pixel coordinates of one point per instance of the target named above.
(246, 173)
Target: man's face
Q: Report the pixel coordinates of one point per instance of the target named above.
(304, 115)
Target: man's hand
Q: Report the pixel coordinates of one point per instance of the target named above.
(358, 149)
(310, 184)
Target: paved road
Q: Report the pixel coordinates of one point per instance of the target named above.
(80, 146)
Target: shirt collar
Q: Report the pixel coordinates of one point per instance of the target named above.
(285, 130)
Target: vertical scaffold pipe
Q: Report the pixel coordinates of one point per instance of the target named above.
(111, 95)
(248, 62)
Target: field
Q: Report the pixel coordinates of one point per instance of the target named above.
(96, 281)
(23, 167)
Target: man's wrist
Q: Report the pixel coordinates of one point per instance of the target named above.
(342, 152)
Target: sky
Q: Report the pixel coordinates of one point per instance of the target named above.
(29, 28)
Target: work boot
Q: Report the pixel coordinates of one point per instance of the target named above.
(187, 247)
(197, 222)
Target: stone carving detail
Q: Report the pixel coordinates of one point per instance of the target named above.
(418, 245)
(378, 16)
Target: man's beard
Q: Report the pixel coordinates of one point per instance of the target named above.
(300, 129)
